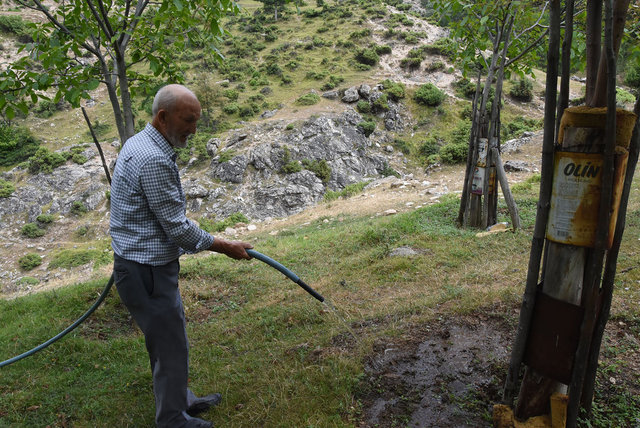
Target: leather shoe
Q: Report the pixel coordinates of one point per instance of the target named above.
(202, 404)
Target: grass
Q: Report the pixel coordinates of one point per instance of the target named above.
(278, 356)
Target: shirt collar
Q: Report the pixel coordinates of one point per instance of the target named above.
(160, 141)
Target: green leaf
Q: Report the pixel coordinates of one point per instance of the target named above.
(178, 4)
(10, 113)
(92, 84)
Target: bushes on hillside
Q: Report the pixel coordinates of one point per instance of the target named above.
(16, 145)
(632, 77)
(429, 95)
(45, 161)
(454, 153)
(522, 91)
(6, 188)
(367, 127)
(308, 99)
(30, 261)
(367, 57)
(395, 91)
(32, 230)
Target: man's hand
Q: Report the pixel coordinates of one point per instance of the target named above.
(233, 249)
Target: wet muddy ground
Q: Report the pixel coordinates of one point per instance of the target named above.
(451, 372)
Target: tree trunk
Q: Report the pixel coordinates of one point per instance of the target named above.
(600, 90)
(542, 214)
(125, 96)
(594, 31)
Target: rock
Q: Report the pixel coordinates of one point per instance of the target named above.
(231, 171)
(269, 113)
(331, 95)
(390, 212)
(364, 91)
(351, 95)
(516, 166)
(403, 252)
(212, 146)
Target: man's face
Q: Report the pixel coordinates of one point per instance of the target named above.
(181, 122)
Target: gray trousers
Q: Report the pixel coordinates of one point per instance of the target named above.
(152, 296)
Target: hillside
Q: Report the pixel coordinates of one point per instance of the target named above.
(420, 315)
(237, 170)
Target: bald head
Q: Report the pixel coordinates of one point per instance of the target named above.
(167, 98)
(176, 111)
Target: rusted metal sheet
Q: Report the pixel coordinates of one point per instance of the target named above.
(553, 337)
(573, 216)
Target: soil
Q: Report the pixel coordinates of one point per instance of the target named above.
(442, 375)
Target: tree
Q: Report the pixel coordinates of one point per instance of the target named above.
(513, 30)
(274, 5)
(82, 44)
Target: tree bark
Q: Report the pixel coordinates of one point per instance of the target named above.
(542, 215)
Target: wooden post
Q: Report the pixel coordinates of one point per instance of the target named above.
(504, 184)
(542, 214)
(610, 270)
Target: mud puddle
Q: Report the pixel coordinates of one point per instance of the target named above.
(448, 374)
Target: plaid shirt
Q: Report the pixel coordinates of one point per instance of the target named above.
(148, 222)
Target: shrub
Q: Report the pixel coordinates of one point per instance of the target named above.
(30, 261)
(333, 82)
(429, 147)
(429, 95)
(28, 280)
(45, 161)
(78, 158)
(453, 153)
(16, 145)
(363, 106)
(367, 57)
(348, 191)
(308, 99)
(395, 91)
(6, 188)
(522, 91)
(367, 127)
(212, 226)
(231, 108)
(320, 168)
(382, 49)
(388, 171)
(32, 230)
(246, 111)
(465, 88)
(632, 77)
(13, 24)
(78, 208)
(232, 94)
(45, 218)
(45, 109)
(444, 46)
(402, 145)
(515, 128)
(380, 104)
(289, 166)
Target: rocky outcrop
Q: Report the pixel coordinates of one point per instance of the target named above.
(247, 172)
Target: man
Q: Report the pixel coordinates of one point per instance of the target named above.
(149, 232)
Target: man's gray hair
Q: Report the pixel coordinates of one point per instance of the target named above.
(166, 97)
